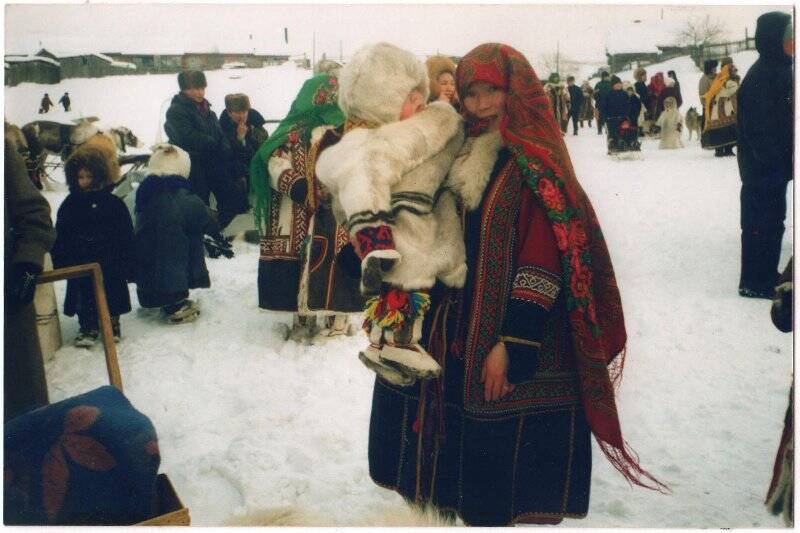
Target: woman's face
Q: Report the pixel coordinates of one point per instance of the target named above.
(485, 101)
(447, 86)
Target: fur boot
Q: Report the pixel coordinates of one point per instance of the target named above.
(403, 351)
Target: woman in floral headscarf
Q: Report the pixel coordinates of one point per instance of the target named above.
(302, 245)
(533, 343)
(657, 84)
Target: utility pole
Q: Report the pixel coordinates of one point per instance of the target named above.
(313, 49)
(341, 56)
(558, 64)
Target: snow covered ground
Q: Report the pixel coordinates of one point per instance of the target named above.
(247, 421)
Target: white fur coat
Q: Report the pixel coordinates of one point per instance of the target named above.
(668, 121)
(396, 172)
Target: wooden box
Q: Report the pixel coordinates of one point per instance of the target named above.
(171, 511)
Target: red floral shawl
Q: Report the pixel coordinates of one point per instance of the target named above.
(657, 84)
(595, 309)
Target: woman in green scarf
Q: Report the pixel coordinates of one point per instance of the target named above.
(302, 246)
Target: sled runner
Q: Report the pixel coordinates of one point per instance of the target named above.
(170, 511)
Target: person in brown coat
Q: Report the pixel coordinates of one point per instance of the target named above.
(29, 234)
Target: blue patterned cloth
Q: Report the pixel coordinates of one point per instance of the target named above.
(88, 460)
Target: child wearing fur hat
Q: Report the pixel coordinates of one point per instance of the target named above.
(671, 123)
(441, 72)
(386, 176)
(94, 226)
(170, 224)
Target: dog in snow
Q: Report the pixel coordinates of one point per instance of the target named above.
(692, 122)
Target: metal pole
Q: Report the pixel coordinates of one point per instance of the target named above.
(313, 49)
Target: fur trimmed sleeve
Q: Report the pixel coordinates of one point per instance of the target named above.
(535, 287)
(284, 177)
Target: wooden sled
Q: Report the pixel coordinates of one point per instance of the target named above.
(171, 511)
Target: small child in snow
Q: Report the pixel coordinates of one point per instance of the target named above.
(170, 224)
(94, 226)
(387, 176)
(671, 123)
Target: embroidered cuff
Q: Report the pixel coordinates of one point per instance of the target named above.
(288, 179)
(536, 285)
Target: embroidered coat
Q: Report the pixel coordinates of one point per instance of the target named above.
(720, 126)
(299, 267)
(478, 458)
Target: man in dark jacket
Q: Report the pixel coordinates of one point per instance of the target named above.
(601, 90)
(575, 103)
(29, 235)
(45, 104)
(765, 122)
(244, 129)
(192, 126)
(616, 108)
(65, 101)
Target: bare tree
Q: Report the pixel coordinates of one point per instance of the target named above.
(701, 31)
(550, 62)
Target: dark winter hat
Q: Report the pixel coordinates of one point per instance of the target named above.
(604, 74)
(727, 60)
(710, 65)
(615, 80)
(191, 79)
(770, 29)
(237, 102)
(554, 78)
(571, 78)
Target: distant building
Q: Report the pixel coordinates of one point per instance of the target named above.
(31, 69)
(93, 65)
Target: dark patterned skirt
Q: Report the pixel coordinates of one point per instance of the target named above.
(533, 466)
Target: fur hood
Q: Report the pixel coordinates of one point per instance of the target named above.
(168, 160)
(438, 65)
(93, 159)
(376, 82)
(473, 166)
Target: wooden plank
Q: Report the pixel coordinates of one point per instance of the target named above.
(94, 271)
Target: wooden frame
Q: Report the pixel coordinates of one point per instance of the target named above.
(93, 271)
(171, 511)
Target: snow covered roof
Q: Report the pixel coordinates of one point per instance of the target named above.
(25, 58)
(642, 35)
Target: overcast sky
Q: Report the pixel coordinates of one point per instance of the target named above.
(581, 32)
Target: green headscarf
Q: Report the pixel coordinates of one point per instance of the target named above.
(315, 105)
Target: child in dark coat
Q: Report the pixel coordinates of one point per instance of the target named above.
(171, 221)
(94, 226)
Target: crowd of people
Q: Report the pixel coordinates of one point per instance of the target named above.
(386, 190)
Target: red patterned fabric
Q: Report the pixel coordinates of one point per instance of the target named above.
(657, 84)
(597, 323)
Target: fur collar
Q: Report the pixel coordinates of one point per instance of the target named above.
(472, 168)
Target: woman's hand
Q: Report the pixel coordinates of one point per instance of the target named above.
(494, 375)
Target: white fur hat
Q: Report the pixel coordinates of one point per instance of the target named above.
(376, 82)
(169, 160)
(81, 133)
(670, 82)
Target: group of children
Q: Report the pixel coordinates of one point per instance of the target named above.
(161, 249)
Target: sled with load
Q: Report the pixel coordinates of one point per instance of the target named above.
(622, 138)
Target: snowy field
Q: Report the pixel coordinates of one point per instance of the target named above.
(248, 422)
